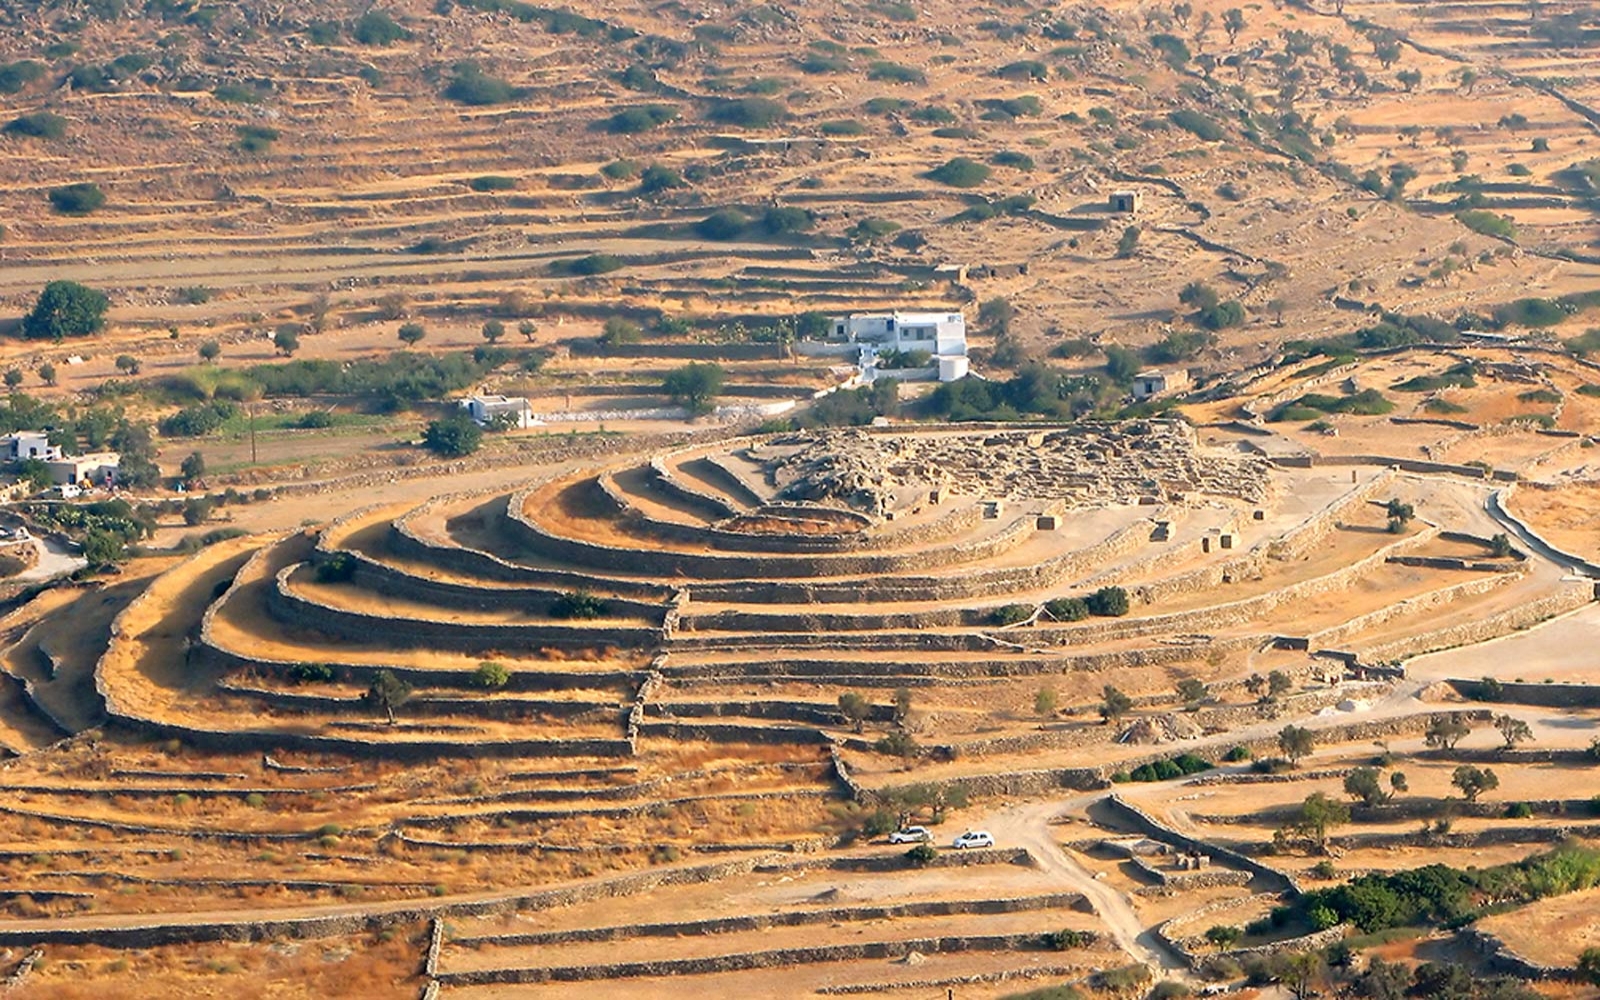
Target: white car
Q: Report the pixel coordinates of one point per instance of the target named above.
(973, 838)
(911, 835)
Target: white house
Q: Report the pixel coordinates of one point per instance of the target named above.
(942, 335)
(98, 467)
(23, 445)
(1150, 384)
(483, 409)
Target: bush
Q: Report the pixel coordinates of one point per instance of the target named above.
(1487, 223)
(314, 420)
(491, 675)
(749, 112)
(1193, 121)
(1011, 614)
(726, 224)
(1108, 602)
(493, 182)
(842, 127)
(337, 568)
(15, 76)
(311, 673)
(641, 119)
(376, 27)
(1067, 609)
(452, 436)
(921, 855)
(893, 72)
(1519, 810)
(198, 420)
(77, 199)
(960, 172)
(1236, 754)
(40, 125)
(1066, 940)
(578, 604)
(471, 86)
(595, 263)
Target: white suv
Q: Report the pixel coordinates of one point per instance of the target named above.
(973, 838)
(911, 835)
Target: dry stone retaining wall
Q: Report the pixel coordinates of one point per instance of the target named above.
(1569, 598)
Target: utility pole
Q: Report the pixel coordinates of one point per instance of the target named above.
(250, 408)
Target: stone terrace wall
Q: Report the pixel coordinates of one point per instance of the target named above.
(1541, 695)
(1432, 601)
(1503, 960)
(1147, 825)
(1571, 597)
(978, 583)
(298, 610)
(406, 542)
(640, 560)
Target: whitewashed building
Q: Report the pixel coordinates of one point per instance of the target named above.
(942, 335)
(485, 409)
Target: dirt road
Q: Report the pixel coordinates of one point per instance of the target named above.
(1028, 825)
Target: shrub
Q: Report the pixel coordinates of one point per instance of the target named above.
(1067, 609)
(15, 76)
(314, 420)
(960, 172)
(1066, 939)
(40, 125)
(77, 199)
(1487, 223)
(1193, 121)
(1236, 754)
(493, 182)
(640, 119)
(376, 27)
(842, 127)
(337, 568)
(1011, 614)
(452, 436)
(595, 263)
(471, 86)
(234, 93)
(198, 420)
(1108, 602)
(311, 673)
(921, 855)
(748, 112)
(893, 72)
(491, 675)
(578, 604)
(1519, 810)
(725, 224)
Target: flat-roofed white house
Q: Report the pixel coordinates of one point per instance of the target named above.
(943, 335)
(23, 445)
(1150, 384)
(485, 409)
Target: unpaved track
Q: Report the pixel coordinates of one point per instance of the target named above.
(1028, 826)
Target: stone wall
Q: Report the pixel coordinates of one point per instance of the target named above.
(1148, 826)
(299, 610)
(1411, 607)
(527, 531)
(1571, 597)
(1541, 695)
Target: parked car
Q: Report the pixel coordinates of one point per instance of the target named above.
(911, 835)
(973, 838)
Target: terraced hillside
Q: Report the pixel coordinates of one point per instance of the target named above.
(336, 168)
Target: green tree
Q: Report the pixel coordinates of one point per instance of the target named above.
(995, 315)
(1319, 814)
(1114, 705)
(210, 351)
(1474, 781)
(1365, 786)
(103, 548)
(1296, 742)
(411, 334)
(1589, 965)
(13, 377)
(493, 330)
(694, 386)
(1397, 783)
(902, 705)
(198, 510)
(491, 675)
(452, 436)
(1513, 730)
(1233, 23)
(1224, 936)
(1445, 731)
(1278, 683)
(1044, 702)
(855, 709)
(65, 309)
(1193, 690)
(35, 473)
(286, 341)
(527, 328)
(47, 373)
(387, 693)
(193, 467)
(127, 364)
(1108, 602)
